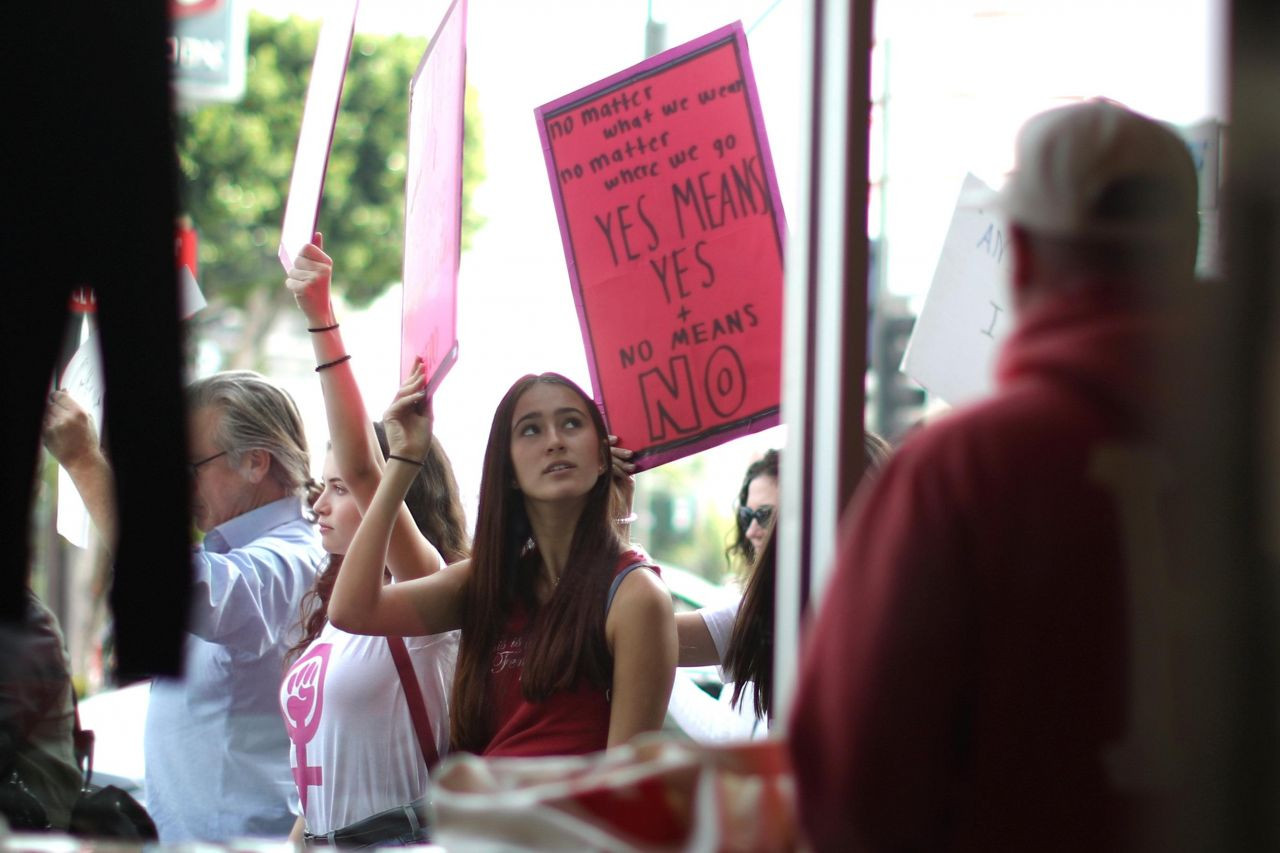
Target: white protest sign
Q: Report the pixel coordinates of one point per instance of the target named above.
(315, 135)
(83, 381)
(1204, 140)
(966, 312)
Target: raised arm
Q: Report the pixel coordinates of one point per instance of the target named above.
(361, 604)
(641, 633)
(69, 435)
(355, 446)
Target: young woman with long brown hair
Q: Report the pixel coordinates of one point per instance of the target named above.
(565, 647)
(357, 755)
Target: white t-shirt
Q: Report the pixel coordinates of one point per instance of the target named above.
(354, 752)
(711, 720)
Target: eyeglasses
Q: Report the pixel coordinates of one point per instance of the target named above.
(762, 516)
(194, 467)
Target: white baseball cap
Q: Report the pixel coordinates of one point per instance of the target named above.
(1098, 170)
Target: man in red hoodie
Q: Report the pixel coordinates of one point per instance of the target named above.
(986, 672)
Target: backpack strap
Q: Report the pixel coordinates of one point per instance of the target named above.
(413, 696)
(617, 582)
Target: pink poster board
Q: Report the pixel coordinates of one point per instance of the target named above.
(433, 202)
(315, 135)
(673, 234)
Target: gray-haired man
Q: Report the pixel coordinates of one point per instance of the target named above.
(217, 757)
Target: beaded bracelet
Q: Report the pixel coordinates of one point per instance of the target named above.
(324, 328)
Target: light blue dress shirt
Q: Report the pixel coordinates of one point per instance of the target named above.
(217, 755)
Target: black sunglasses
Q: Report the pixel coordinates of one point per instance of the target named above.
(761, 516)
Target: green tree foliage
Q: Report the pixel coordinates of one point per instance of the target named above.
(678, 528)
(237, 160)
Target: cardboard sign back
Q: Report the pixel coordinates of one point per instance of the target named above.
(433, 202)
(315, 136)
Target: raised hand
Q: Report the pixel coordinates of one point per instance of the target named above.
(623, 471)
(68, 430)
(69, 434)
(409, 420)
(308, 280)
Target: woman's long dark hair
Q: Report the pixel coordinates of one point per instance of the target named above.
(565, 638)
(436, 508)
(750, 653)
(749, 657)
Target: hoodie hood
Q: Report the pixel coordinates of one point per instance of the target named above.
(1102, 344)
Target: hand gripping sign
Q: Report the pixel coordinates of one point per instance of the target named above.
(673, 233)
(433, 202)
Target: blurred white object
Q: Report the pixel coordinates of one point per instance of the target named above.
(116, 718)
(83, 381)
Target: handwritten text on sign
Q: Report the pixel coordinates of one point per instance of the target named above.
(672, 232)
(965, 315)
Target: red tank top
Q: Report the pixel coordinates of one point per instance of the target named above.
(568, 722)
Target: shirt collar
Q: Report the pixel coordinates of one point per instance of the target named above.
(243, 529)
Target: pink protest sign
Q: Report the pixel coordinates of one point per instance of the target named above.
(316, 133)
(673, 232)
(433, 202)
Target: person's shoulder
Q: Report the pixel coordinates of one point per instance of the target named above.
(958, 424)
(635, 555)
(280, 520)
(292, 544)
(935, 471)
(1008, 425)
(290, 540)
(721, 611)
(641, 591)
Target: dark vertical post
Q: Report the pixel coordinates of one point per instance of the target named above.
(853, 336)
(89, 169)
(825, 334)
(1248, 440)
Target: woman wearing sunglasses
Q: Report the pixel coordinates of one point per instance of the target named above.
(705, 635)
(739, 637)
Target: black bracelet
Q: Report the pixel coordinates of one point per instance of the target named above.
(336, 361)
(407, 459)
(324, 328)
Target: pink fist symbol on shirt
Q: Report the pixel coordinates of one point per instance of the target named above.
(302, 698)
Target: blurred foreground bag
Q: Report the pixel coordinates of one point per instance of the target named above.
(109, 812)
(656, 794)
